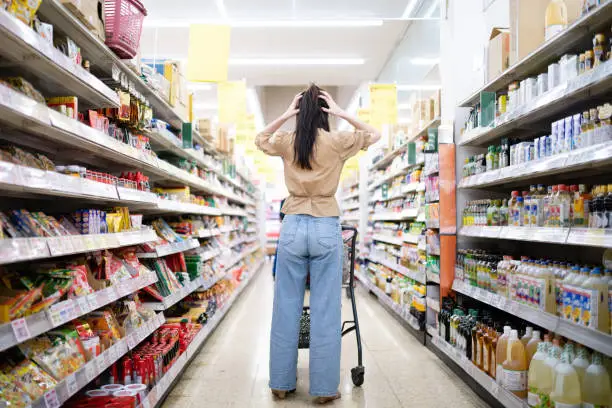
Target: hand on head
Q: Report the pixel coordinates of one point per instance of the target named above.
(293, 109)
(333, 108)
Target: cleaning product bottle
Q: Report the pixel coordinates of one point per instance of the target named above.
(532, 345)
(539, 378)
(581, 363)
(556, 18)
(566, 392)
(501, 353)
(596, 390)
(515, 366)
(595, 312)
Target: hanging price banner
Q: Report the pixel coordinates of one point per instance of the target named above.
(209, 47)
(231, 96)
(383, 104)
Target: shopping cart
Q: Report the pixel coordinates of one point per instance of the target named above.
(349, 238)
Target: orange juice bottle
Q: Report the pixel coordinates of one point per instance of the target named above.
(515, 366)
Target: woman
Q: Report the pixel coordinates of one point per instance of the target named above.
(310, 238)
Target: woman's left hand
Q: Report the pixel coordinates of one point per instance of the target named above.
(292, 110)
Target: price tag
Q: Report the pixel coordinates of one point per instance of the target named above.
(494, 389)
(21, 330)
(145, 402)
(91, 371)
(131, 341)
(112, 354)
(71, 384)
(514, 307)
(55, 317)
(82, 305)
(51, 400)
(489, 298)
(501, 302)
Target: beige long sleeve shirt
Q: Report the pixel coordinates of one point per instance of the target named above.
(312, 191)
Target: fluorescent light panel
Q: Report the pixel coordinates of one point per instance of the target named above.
(296, 61)
(434, 5)
(177, 23)
(409, 9)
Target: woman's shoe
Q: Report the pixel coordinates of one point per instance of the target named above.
(281, 394)
(325, 400)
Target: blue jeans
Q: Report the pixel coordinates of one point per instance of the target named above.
(305, 243)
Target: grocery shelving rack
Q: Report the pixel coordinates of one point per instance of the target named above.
(585, 165)
(32, 125)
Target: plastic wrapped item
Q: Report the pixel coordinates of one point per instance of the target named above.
(31, 379)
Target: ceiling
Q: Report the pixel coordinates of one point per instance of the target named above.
(166, 35)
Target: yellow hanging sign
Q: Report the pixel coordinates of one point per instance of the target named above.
(383, 104)
(208, 54)
(364, 115)
(245, 130)
(231, 96)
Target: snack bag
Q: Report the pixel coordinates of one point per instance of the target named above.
(32, 379)
(13, 395)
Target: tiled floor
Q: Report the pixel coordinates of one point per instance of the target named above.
(232, 368)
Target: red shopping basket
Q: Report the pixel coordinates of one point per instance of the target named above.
(123, 26)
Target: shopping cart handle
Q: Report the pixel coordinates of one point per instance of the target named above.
(349, 228)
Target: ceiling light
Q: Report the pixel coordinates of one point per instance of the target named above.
(177, 23)
(418, 87)
(409, 9)
(296, 61)
(434, 5)
(425, 61)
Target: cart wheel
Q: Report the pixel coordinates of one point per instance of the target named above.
(357, 374)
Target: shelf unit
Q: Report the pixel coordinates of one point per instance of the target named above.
(35, 127)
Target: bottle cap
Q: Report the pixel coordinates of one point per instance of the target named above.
(507, 329)
(513, 334)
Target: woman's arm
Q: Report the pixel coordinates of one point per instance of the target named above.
(335, 110)
(291, 111)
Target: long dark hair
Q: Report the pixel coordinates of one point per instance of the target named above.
(309, 120)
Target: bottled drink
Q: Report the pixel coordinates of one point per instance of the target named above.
(595, 312)
(539, 378)
(566, 390)
(528, 335)
(512, 208)
(596, 385)
(503, 213)
(581, 363)
(519, 212)
(501, 353)
(532, 345)
(608, 206)
(564, 203)
(556, 18)
(515, 366)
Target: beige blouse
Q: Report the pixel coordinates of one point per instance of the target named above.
(312, 191)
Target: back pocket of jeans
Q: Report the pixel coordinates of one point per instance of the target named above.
(288, 230)
(328, 232)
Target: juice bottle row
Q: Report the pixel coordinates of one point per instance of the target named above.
(558, 206)
(581, 294)
(546, 370)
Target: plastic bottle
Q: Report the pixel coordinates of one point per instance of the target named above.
(501, 353)
(581, 363)
(546, 207)
(566, 392)
(556, 19)
(539, 378)
(564, 203)
(486, 350)
(512, 207)
(503, 213)
(519, 212)
(528, 335)
(532, 345)
(554, 356)
(608, 206)
(596, 390)
(595, 313)
(578, 295)
(515, 366)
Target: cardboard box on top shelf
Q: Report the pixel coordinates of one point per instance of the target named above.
(222, 144)
(88, 12)
(498, 56)
(205, 129)
(437, 99)
(171, 73)
(526, 27)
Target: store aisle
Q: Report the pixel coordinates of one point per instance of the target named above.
(232, 367)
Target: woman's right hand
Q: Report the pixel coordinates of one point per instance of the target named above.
(333, 108)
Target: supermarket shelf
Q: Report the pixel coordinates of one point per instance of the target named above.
(209, 283)
(225, 229)
(408, 188)
(396, 216)
(209, 255)
(433, 304)
(506, 398)
(238, 241)
(207, 233)
(391, 176)
(582, 159)
(350, 218)
(251, 230)
(240, 257)
(34, 325)
(233, 211)
(401, 312)
(411, 238)
(177, 296)
(409, 273)
(388, 239)
(156, 397)
(591, 84)
(433, 277)
(351, 195)
(576, 35)
(170, 248)
(96, 366)
(28, 52)
(252, 220)
(27, 249)
(594, 339)
(102, 59)
(352, 206)
(173, 206)
(423, 131)
(388, 158)
(593, 237)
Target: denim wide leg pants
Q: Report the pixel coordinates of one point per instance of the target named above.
(312, 244)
